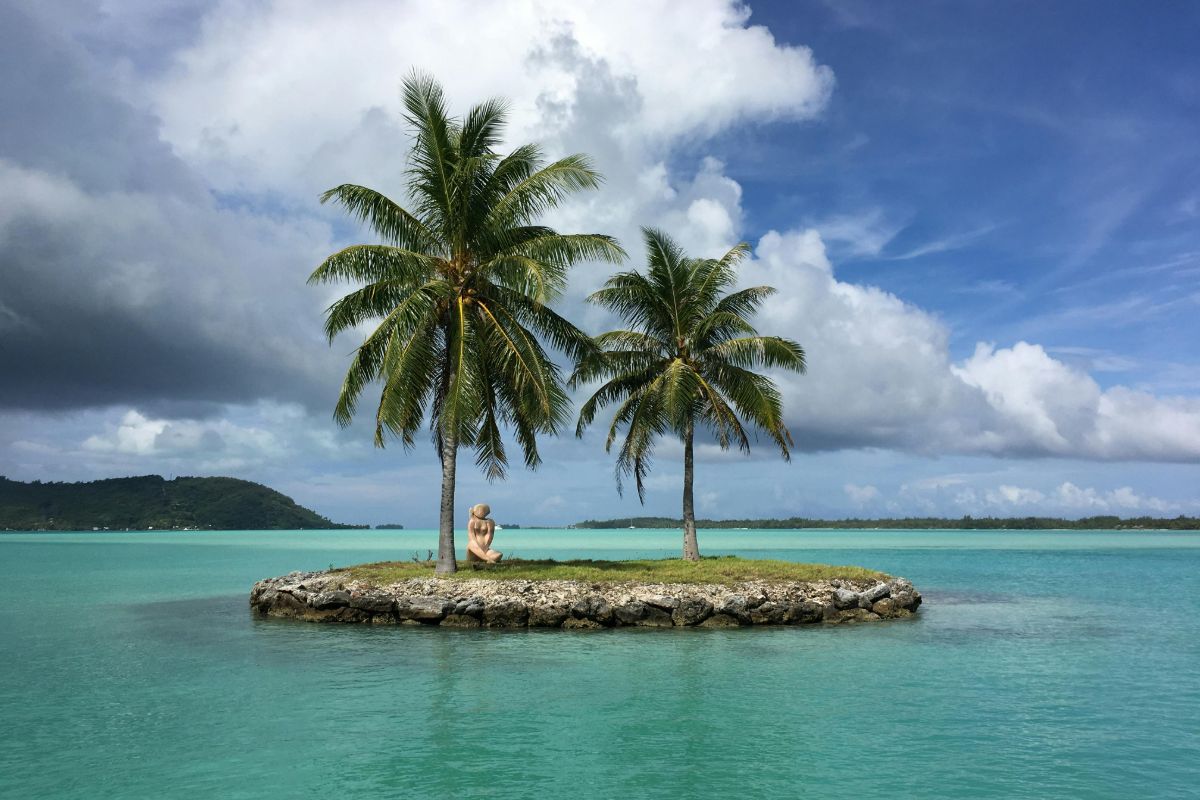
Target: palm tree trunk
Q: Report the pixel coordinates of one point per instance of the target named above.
(445, 560)
(691, 548)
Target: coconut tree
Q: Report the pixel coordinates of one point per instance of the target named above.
(455, 292)
(686, 362)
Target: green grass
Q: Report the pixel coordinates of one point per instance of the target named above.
(722, 569)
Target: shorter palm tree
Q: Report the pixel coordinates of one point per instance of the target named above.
(686, 360)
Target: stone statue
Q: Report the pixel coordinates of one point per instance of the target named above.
(480, 531)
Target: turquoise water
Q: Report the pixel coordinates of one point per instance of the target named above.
(1041, 665)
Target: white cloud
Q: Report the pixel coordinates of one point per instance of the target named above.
(861, 495)
(139, 435)
(1052, 408)
(879, 370)
(552, 504)
(859, 235)
(1013, 496)
(1092, 359)
(880, 374)
(1066, 498)
(1044, 401)
(242, 99)
(955, 242)
(135, 434)
(1121, 500)
(703, 214)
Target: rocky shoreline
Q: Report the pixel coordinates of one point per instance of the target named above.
(475, 603)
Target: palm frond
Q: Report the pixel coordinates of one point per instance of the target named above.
(462, 386)
(721, 418)
(526, 357)
(396, 225)
(373, 263)
(543, 189)
(433, 157)
(481, 130)
(758, 351)
(646, 424)
(397, 302)
(757, 399)
(409, 366)
(626, 385)
(368, 360)
(710, 278)
(544, 322)
(668, 274)
(632, 297)
(745, 302)
(718, 327)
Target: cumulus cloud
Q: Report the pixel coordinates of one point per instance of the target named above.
(673, 75)
(881, 374)
(137, 434)
(1066, 498)
(161, 186)
(860, 495)
(122, 278)
(1051, 408)
(125, 295)
(263, 441)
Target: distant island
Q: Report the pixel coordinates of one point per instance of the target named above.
(390, 526)
(150, 502)
(1180, 523)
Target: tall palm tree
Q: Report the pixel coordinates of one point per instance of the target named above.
(457, 292)
(686, 360)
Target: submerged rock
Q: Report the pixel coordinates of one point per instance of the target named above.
(475, 603)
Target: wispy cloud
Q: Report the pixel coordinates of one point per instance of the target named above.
(945, 244)
(1181, 265)
(1094, 359)
(991, 286)
(1127, 311)
(858, 235)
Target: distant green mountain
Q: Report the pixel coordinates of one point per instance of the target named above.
(150, 501)
(914, 523)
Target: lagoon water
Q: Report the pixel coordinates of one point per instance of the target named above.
(1042, 665)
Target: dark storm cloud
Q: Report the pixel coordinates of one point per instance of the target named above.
(121, 279)
(60, 116)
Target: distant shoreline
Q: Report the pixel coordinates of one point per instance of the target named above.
(1097, 523)
(568, 528)
(152, 503)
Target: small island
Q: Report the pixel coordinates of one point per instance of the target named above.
(721, 592)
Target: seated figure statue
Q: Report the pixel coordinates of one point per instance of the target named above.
(480, 531)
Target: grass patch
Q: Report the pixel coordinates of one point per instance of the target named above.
(717, 569)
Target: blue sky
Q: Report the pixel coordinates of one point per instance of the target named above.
(982, 219)
(1038, 164)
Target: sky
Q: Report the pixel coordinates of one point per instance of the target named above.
(983, 220)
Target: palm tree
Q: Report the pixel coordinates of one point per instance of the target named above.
(686, 360)
(457, 292)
